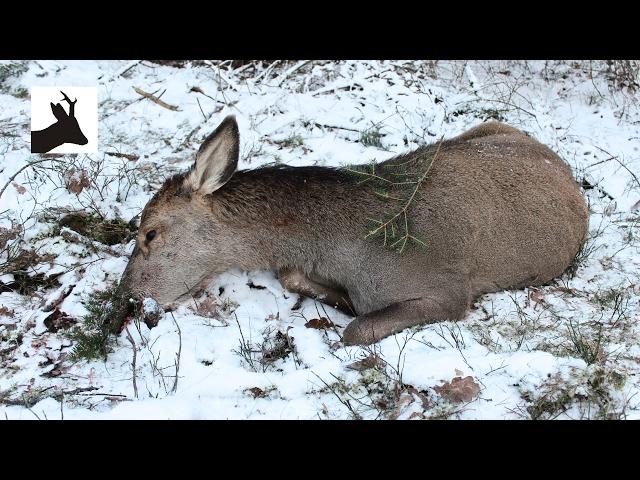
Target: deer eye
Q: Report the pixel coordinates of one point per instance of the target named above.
(151, 234)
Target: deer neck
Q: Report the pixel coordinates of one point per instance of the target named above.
(290, 216)
(49, 138)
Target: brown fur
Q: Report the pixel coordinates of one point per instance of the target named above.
(498, 210)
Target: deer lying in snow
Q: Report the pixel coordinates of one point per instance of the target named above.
(497, 210)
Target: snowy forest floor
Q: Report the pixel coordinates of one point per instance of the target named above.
(568, 350)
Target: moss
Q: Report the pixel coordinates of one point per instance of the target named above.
(20, 92)
(11, 70)
(108, 232)
(107, 311)
(21, 264)
(293, 141)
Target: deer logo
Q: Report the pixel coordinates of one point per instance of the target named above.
(65, 130)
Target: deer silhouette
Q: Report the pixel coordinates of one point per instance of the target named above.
(64, 130)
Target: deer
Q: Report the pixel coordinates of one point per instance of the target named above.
(64, 130)
(497, 210)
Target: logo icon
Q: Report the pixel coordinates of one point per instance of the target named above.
(56, 130)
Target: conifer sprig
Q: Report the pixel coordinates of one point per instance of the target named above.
(395, 230)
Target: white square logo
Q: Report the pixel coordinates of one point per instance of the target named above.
(64, 119)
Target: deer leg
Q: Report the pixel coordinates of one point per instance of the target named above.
(374, 326)
(296, 281)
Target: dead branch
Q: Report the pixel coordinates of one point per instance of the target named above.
(615, 157)
(177, 361)
(12, 178)
(133, 362)
(129, 156)
(156, 100)
(322, 125)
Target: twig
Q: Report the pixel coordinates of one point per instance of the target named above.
(124, 70)
(199, 90)
(322, 90)
(156, 100)
(615, 157)
(177, 361)
(322, 125)
(280, 80)
(343, 401)
(384, 225)
(599, 162)
(78, 390)
(24, 168)
(133, 363)
(264, 72)
(227, 81)
(129, 156)
(201, 111)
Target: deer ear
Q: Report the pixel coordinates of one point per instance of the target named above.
(58, 111)
(216, 160)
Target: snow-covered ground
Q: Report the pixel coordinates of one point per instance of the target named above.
(567, 350)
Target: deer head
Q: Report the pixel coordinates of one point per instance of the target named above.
(72, 131)
(64, 130)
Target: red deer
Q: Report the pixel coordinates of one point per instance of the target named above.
(498, 210)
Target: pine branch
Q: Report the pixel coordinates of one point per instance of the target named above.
(402, 215)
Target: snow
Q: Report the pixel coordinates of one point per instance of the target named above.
(191, 365)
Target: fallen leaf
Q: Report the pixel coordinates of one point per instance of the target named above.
(58, 320)
(459, 390)
(255, 391)
(8, 234)
(321, 323)
(538, 297)
(77, 180)
(21, 190)
(372, 361)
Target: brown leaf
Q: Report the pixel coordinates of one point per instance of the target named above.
(256, 392)
(372, 361)
(459, 390)
(21, 190)
(208, 308)
(538, 297)
(321, 323)
(58, 320)
(422, 395)
(8, 234)
(77, 180)
(58, 369)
